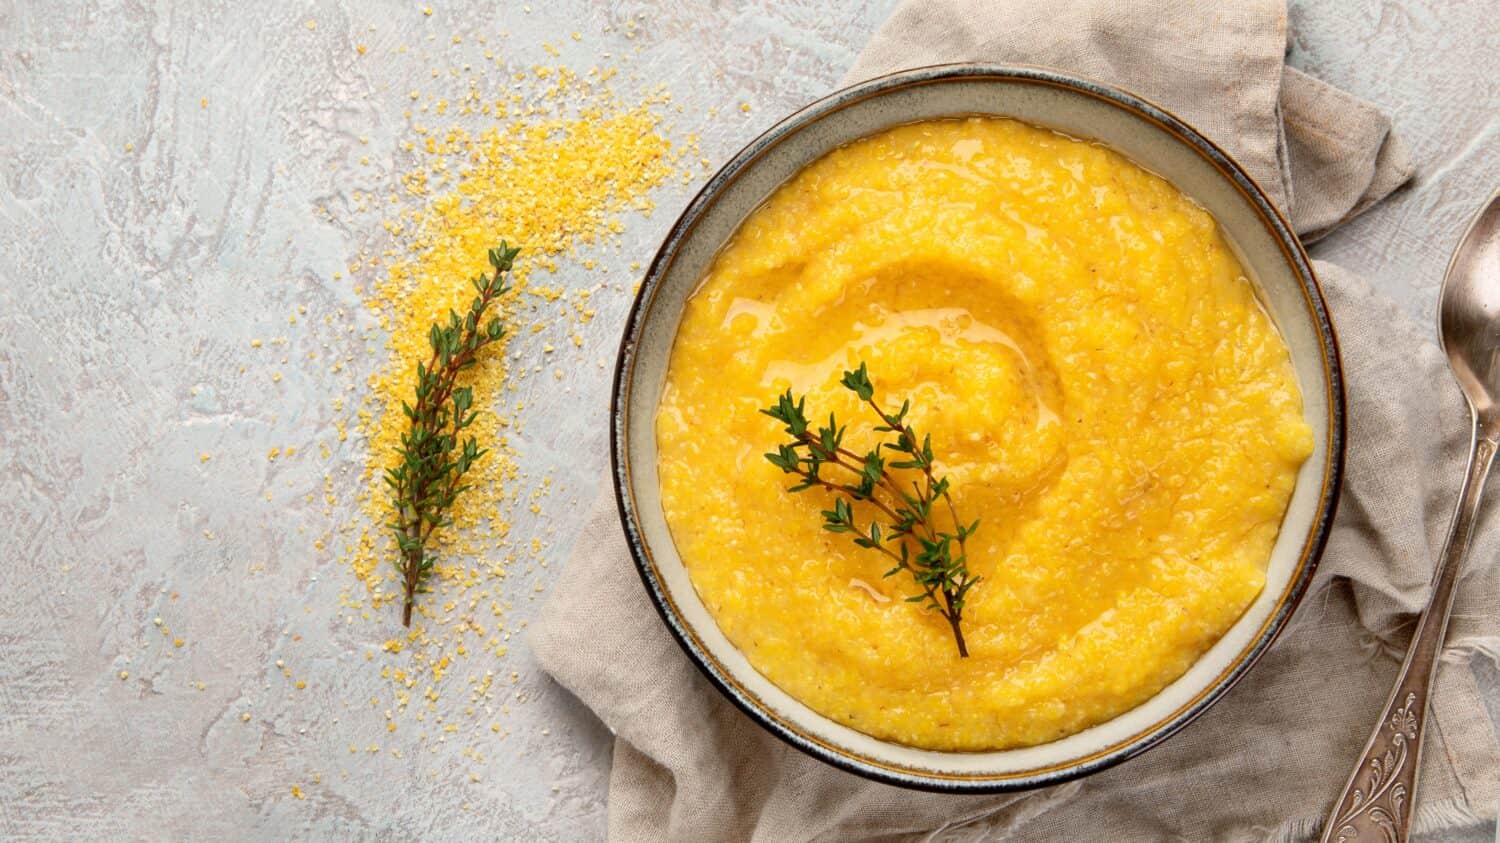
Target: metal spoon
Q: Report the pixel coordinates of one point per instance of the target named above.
(1379, 799)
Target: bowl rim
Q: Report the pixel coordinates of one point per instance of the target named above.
(1122, 750)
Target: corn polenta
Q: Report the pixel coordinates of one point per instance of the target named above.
(1099, 382)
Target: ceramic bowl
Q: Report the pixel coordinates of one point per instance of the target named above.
(1154, 139)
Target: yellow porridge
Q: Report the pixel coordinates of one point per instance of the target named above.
(1101, 387)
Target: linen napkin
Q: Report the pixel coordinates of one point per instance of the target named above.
(1268, 760)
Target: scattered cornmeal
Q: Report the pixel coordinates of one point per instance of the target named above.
(552, 166)
(1100, 385)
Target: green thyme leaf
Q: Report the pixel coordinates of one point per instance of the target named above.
(940, 565)
(426, 481)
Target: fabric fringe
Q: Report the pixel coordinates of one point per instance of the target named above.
(1373, 646)
(1454, 813)
(1297, 831)
(1487, 647)
(1443, 816)
(1024, 810)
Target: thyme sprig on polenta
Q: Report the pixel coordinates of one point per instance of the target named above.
(939, 562)
(429, 476)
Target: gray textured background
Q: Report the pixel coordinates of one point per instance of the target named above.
(131, 283)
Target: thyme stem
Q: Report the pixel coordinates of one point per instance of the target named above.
(940, 573)
(433, 462)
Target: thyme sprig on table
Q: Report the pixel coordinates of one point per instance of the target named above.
(939, 564)
(429, 476)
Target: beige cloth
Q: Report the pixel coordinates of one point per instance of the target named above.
(1268, 760)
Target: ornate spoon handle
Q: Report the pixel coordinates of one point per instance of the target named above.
(1378, 801)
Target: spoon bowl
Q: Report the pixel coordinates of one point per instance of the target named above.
(1469, 312)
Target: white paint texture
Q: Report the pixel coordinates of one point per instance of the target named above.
(131, 283)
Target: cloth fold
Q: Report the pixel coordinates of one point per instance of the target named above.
(1268, 760)
(1220, 67)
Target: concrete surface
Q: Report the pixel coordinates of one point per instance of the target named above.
(147, 235)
